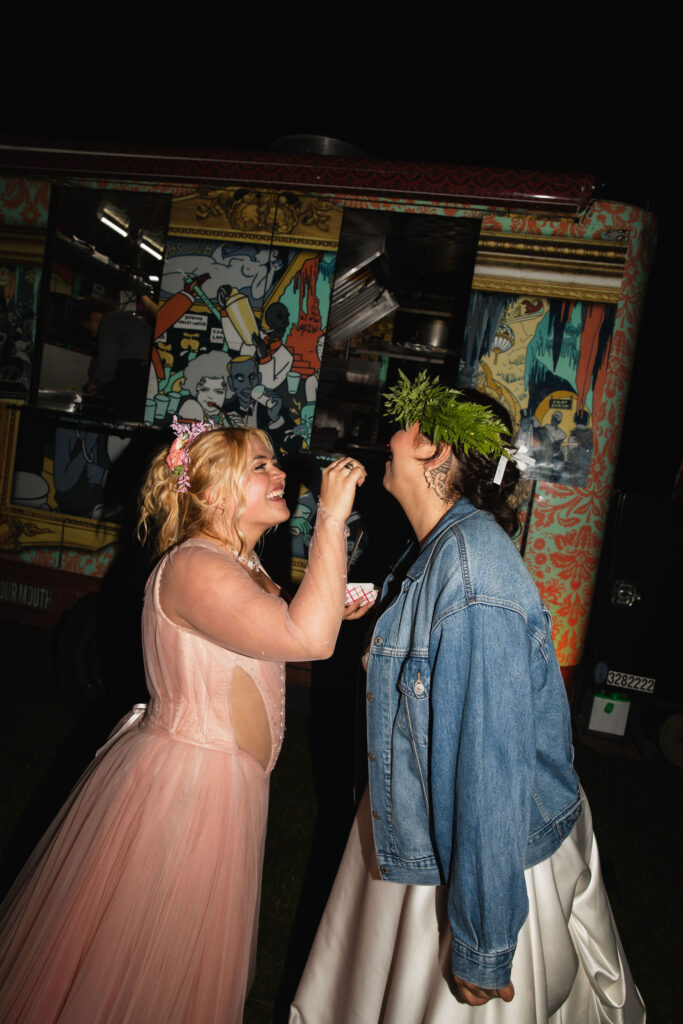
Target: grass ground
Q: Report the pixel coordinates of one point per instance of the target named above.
(635, 799)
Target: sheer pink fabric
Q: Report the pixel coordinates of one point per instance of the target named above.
(218, 599)
(141, 903)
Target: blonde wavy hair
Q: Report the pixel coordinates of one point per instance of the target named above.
(218, 464)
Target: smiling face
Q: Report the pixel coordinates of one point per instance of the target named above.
(264, 503)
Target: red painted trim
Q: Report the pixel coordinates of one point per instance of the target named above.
(563, 193)
(50, 591)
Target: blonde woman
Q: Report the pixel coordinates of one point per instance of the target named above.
(141, 903)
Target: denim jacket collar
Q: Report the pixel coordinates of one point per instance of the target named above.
(461, 510)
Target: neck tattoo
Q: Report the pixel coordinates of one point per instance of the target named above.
(439, 480)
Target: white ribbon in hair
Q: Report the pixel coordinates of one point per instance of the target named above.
(520, 456)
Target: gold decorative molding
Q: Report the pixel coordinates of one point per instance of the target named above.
(601, 252)
(9, 428)
(22, 246)
(562, 267)
(544, 288)
(258, 216)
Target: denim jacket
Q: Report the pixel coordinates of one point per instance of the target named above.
(469, 741)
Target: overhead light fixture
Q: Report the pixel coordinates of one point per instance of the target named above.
(114, 226)
(152, 252)
(114, 218)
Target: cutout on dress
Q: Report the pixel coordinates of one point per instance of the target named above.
(250, 723)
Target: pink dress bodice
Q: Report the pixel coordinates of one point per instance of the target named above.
(141, 902)
(190, 676)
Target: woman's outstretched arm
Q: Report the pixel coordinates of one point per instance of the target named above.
(205, 589)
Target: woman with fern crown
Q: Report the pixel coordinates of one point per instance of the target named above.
(470, 888)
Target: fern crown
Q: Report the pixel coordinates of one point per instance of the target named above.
(443, 417)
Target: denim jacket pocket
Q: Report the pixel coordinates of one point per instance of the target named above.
(414, 705)
(410, 751)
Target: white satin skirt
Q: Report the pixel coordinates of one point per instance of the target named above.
(382, 951)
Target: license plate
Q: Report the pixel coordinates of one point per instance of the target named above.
(630, 682)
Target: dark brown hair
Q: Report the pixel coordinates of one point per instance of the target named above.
(474, 473)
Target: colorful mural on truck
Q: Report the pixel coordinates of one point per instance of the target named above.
(19, 287)
(245, 296)
(23, 217)
(246, 289)
(575, 317)
(543, 360)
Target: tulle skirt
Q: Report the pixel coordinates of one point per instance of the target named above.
(140, 905)
(382, 952)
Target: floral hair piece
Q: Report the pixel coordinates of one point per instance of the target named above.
(178, 457)
(443, 417)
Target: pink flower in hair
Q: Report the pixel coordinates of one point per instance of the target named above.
(175, 455)
(178, 455)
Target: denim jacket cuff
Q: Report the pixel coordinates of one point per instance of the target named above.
(488, 970)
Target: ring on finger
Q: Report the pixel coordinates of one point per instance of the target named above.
(350, 466)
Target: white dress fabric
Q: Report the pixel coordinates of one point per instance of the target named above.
(382, 951)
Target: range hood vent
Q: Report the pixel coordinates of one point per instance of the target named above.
(358, 300)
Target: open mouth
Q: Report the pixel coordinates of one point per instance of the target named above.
(276, 495)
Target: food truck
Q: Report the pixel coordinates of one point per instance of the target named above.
(286, 291)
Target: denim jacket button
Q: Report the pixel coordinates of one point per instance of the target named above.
(371, 757)
(370, 697)
(419, 689)
(378, 641)
(384, 869)
(376, 815)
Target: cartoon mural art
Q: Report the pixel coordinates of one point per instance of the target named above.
(304, 336)
(19, 287)
(556, 298)
(63, 467)
(301, 526)
(206, 379)
(544, 360)
(80, 468)
(61, 505)
(301, 523)
(245, 298)
(252, 404)
(303, 425)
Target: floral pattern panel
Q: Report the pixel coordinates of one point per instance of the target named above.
(552, 337)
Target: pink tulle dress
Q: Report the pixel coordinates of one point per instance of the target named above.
(141, 902)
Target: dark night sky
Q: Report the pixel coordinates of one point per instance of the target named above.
(612, 128)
